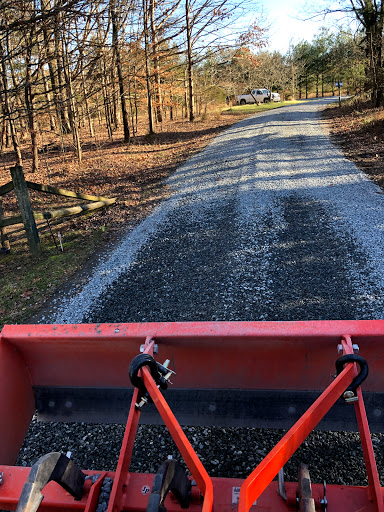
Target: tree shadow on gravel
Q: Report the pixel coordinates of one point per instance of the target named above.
(311, 279)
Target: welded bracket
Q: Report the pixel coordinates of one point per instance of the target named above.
(54, 466)
(169, 477)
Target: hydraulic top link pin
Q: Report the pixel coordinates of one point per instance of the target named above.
(350, 394)
(160, 373)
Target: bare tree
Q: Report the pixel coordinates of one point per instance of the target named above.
(116, 50)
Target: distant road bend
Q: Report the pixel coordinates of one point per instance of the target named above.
(269, 222)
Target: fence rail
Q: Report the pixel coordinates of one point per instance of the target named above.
(27, 217)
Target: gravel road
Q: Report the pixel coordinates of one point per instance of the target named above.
(269, 222)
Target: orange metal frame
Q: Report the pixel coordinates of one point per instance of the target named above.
(98, 355)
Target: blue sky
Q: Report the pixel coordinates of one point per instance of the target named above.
(284, 18)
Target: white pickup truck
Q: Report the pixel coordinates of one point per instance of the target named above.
(258, 96)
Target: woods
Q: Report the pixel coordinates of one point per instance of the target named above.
(76, 68)
(69, 65)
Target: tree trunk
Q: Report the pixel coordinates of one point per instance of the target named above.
(50, 55)
(170, 105)
(84, 88)
(114, 97)
(116, 47)
(3, 132)
(108, 118)
(30, 112)
(156, 65)
(374, 51)
(189, 61)
(6, 106)
(59, 60)
(147, 67)
(71, 101)
(317, 85)
(135, 92)
(185, 114)
(48, 100)
(131, 108)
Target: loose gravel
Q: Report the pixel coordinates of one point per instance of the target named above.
(269, 222)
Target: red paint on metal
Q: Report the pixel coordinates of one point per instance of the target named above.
(242, 355)
(94, 493)
(340, 498)
(286, 355)
(119, 487)
(366, 441)
(188, 453)
(262, 476)
(17, 403)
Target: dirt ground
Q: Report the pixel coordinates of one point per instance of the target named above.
(132, 173)
(358, 129)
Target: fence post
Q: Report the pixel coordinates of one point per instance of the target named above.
(4, 240)
(26, 210)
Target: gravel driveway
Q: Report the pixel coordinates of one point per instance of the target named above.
(269, 222)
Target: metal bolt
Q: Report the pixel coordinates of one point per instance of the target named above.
(1, 478)
(170, 372)
(339, 348)
(141, 404)
(168, 376)
(155, 348)
(349, 397)
(355, 347)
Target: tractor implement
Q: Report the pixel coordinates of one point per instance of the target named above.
(293, 375)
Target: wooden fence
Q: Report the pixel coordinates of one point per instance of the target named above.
(28, 217)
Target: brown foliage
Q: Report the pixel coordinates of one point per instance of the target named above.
(359, 130)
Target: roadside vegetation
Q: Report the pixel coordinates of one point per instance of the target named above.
(134, 177)
(254, 109)
(358, 128)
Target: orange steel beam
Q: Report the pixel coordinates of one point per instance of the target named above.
(188, 453)
(122, 471)
(285, 355)
(374, 488)
(268, 468)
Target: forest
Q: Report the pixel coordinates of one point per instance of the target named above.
(69, 67)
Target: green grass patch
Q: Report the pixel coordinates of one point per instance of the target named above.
(253, 109)
(26, 282)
